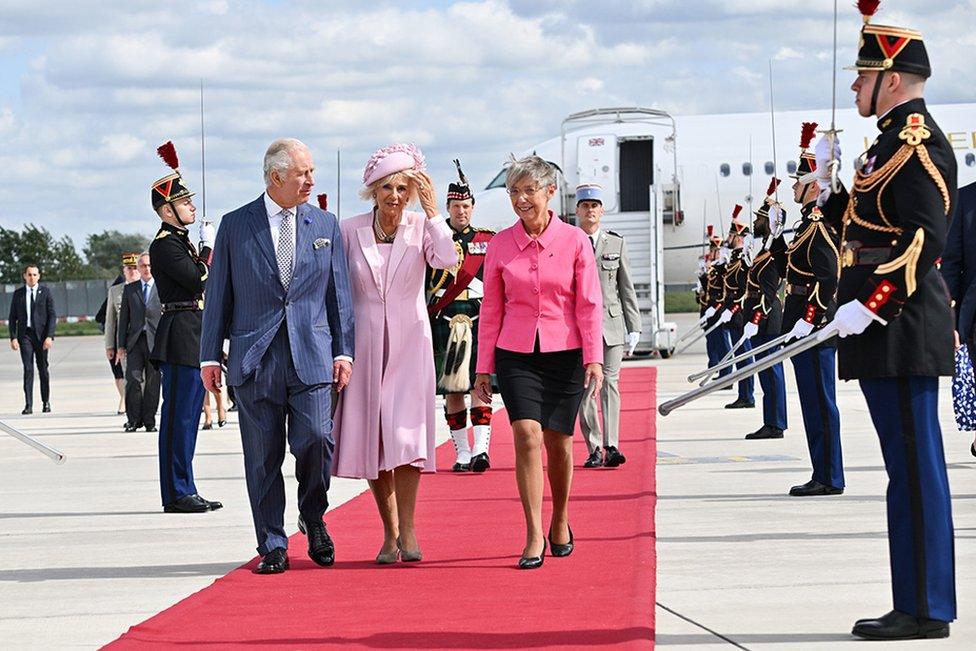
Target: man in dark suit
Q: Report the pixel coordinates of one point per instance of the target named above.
(32, 320)
(279, 289)
(138, 319)
(959, 269)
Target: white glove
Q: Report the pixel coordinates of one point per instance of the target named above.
(710, 312)
(777, 218)
(632, 339)
(723, 254)
(726, 316)
(824, 156)
(801, 329)
(208, 233)
(853, 318)
(750, 330)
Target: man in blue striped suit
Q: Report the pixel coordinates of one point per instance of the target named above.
(279, 290)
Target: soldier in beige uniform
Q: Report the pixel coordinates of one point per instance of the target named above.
(621, 326)
(113, 305)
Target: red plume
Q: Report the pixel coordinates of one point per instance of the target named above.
(868, 8)
(710, 230)
(736, 211)
(773, 184)
(807, 133)
(168, 153)
(324, 201)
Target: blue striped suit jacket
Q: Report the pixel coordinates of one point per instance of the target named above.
(246, 302)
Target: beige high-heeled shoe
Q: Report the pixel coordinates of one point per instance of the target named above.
(388, 558)
(409, 557)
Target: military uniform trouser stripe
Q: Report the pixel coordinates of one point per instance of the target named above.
(920, 536)
(815, 372)
(179, 421)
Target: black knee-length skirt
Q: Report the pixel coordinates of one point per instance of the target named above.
(544, 387)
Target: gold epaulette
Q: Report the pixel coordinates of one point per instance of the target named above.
(161, 234)
(485, 230)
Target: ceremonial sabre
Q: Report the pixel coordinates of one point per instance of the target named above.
(704, 333)
(728, 356)
(797, 347)
(738, 358)
(56, 457)
(691, 330)
(834, 165)
(772, 122)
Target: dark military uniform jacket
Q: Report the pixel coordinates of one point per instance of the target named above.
(715, 289)
(894, 223)
(809, 264)
(762, 305)
(736, 275)
(181, 274)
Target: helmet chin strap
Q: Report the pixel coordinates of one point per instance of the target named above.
(176, 213)
(876, 92)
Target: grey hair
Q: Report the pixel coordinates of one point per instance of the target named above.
(278, 157)
(531, 167)
(368, 192)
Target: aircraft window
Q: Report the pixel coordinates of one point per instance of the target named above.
(724, 169)
(747, 169)
(498, 181)
(770, 168)
(791, 166)
(970, 160)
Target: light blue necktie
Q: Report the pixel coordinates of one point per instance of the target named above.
(145, 293)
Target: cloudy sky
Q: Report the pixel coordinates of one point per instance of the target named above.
(89, 89)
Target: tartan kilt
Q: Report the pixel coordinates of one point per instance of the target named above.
(440, 331)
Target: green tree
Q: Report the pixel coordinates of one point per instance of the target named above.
(10, 271)
(103, 251)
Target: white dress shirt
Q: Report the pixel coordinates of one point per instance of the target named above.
(27, 301)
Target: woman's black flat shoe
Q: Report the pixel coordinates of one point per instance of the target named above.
(561, 550)
(221, 423)
(533, 562)
(972, 448)
(207, 426)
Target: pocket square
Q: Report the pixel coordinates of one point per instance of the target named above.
(322, 241)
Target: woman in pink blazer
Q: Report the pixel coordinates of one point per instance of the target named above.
(541, 332)
(384, 424)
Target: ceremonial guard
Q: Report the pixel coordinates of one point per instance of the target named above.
(894, 318)
(711, 295)
(736, 273)
(454, 303)
(763, 312)
(180, 273)
(621, 326)
(809, 264)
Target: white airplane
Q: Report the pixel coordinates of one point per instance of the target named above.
(666, 178)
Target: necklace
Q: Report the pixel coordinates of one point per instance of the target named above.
(380, 233)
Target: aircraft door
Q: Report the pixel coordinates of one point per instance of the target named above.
(597, 163)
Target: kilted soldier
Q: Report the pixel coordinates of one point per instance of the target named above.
(763, 312)
(453, 303)
(809, 264)
(736, 273)
(894, 318)
(181, 274)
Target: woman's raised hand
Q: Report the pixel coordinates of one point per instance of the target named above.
(426, 194)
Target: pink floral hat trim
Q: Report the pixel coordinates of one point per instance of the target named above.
(394, 158)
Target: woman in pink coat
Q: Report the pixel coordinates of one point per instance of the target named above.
(384, 424)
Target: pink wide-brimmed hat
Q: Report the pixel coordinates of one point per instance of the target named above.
(394, 158)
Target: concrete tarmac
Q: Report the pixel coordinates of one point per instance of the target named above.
(87, 551)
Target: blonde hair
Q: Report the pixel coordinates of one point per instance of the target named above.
(368, 193)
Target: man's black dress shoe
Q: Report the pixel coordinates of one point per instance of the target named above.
(27, 411)
(595, 460)
(766, 432)
(741, 403)
(130, 428)
(814, 487)
(614, 459)
(533, 562)
(480, 462)
(151, 428)
(274, 562)
(460, 467)
(561, 550)
(213, 506)
(46, 408)
(897, 625)
(187, 504)
(320, 546)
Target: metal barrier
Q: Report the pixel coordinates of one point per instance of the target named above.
(76, 299)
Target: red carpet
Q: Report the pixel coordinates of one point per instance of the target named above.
(466, 593)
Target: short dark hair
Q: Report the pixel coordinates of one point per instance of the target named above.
(31, 266)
